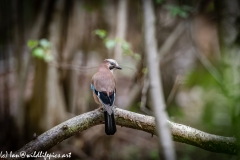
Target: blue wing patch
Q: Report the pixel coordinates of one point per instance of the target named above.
(92, 87)
(94, 90)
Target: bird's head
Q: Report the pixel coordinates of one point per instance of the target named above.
(112, 64)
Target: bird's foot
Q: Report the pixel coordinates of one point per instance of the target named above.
(100, 109)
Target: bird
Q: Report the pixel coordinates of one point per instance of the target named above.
(103, 86)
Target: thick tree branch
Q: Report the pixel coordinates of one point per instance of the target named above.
(209, 142)
(181, 133)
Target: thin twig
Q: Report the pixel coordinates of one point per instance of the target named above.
(174, 89)
(172, 38)
(144, 96)
(202, 58)
(70, 66)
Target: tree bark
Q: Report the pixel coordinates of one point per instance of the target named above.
(54, 99)
(26, 61)
(156, 90)
(121, 28)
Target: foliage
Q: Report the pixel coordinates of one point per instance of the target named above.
(154, 154)
(181, 11)
(111, 43)
(200, 76)
(159, 1)
(144, 70)
(41, 49)
(101, 33)
(220, 100)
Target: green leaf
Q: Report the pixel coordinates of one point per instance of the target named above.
(32, 43)
(118, 40)
(183, 14)
(154, 154)
(186, 8)
(125, 46)
(137, 56)
(38, 52)
(174, 12)
(101, 33)
(159, 1)
(144, 70)
(201, 77)
(44, 43)
(48, 57)
(181, 11)
(109, 43)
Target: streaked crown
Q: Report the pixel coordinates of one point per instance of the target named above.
(112, 64)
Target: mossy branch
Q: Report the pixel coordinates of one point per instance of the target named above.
(180, 133)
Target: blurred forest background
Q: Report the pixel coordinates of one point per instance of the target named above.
(50, 49)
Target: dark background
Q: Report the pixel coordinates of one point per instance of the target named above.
(200, 71)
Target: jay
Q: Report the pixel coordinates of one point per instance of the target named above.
(104, 90)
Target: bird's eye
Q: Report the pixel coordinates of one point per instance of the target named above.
(111, 67)
(112, 63)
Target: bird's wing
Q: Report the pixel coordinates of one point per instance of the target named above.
(104, 87)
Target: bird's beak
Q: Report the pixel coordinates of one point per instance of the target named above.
(118, 67)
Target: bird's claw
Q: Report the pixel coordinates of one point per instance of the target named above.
(100, 109)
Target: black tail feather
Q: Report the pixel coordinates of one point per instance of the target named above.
(110, 126)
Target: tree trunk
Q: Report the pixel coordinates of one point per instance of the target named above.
(47, 107)
(156, 90)
(121, 28)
